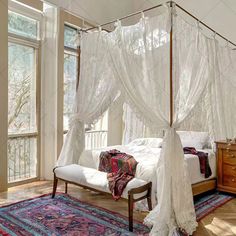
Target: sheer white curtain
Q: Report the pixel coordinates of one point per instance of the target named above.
(215, 112)
(134, 127)
(97, 90)
(221, 94)
(140, 58)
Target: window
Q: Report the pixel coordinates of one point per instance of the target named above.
(22, 107)
(22, 95)
(71, 38)
(70, 80)
(22, 25)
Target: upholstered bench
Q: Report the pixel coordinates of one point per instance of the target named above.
(136, 189)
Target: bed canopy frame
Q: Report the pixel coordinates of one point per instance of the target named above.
(179, 212)
(157, 6)
(171, 3)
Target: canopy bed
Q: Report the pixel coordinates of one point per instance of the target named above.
(168, 71)
(147, 154)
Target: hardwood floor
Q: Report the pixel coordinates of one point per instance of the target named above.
(222, 222)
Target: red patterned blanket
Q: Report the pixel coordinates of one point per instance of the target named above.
(120, 167)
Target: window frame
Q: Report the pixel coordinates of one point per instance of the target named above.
(73, 52)
(36, 45)
(76, 22)
(25, 11)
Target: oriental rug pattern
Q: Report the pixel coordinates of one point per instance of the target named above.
(207, 204)
(63, 215)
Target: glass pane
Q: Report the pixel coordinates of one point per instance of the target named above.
(21, 89)
(71, 37)
(21, 25)
(70, 78)
(22, 158)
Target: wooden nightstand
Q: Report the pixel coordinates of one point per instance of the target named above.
(226, 165)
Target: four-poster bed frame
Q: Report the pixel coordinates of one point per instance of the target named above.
(208, 184)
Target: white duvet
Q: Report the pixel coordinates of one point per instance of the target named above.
(147, 159)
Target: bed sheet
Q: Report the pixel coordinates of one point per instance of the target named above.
(147, 159)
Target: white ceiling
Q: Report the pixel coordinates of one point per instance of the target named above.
(218, 14)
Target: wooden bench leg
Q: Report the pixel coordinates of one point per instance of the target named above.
(147, 187)
(149, 201)
(54, 186)
(131, 208)
(149, 198)
(66, 187)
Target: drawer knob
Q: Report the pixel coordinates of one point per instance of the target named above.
(234, 168)
(233, 180)
(231, 156)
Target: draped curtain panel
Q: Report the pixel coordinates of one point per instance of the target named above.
(139, 56)
(97, 90)
(135, 61)
(140, 62)
(134, 127)
(221, 93)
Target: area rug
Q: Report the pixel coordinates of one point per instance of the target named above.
(205, 205)
(63, 215)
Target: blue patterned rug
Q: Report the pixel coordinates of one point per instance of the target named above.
(205, 205)
(63, 215)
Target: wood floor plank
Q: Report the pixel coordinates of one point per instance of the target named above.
(221, 222)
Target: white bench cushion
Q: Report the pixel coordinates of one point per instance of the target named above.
(94, 179)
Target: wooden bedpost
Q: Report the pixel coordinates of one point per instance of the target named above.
(171, 65)
(77, 82)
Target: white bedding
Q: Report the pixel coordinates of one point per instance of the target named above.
(194, 166)
(147, 159)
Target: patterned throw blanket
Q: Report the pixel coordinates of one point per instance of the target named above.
(120, 167)
(203, 160)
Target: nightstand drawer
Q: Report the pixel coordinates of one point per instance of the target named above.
(226, 165)
(229, 157)
(229, 170)
(229, 180)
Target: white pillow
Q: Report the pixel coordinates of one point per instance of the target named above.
(150, 142)
(195, 139)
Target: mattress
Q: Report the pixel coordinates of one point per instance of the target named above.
(147, 159)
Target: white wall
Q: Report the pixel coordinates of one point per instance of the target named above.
(49, 137)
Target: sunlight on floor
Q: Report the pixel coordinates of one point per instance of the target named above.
(221, 227)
